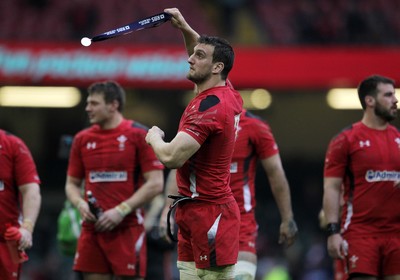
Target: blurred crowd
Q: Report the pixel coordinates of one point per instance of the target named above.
(271, 22)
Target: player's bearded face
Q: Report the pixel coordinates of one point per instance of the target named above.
(386, 114)
(199, 76)
(386, 102)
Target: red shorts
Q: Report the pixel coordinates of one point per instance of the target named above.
(377, 256)
(208, 233)
(8, 269)
(121, 252)
(339, 269)
(248, 233)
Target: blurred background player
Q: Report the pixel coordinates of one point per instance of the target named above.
(365, 158)
(202, 151)
(255, 143)
(111, 157)
(20, 199)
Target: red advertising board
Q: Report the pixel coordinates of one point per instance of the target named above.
(165, 67)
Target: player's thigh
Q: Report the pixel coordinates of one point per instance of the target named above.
(391, 257)
(392, 277)
(187, 270)
(226, 272)
(363, 258)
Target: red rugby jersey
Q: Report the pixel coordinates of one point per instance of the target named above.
(112, 162)
(211, 118)
(368, 160)
(16, 168)
(255, 142)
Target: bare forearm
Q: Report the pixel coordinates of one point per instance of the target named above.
(281, 193)
(149, 190)
(331, 204)
(31, 203)
(73, 191)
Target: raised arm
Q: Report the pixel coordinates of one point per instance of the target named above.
(190, 36)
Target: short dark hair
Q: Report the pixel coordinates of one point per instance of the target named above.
(223, 52)
(369, 86)
(111, 91)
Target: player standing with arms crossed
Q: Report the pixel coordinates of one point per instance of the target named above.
(365, 158)
(18, 179)
(111, 158)
(202, 151)
(255, 143)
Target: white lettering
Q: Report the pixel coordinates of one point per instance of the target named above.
(108, 176)
(382, 176)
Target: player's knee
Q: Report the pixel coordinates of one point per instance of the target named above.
(219, 272)
(245, 270)
(187, 270)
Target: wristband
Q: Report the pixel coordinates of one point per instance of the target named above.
(123, 209)
(28, 225)
(332, 228)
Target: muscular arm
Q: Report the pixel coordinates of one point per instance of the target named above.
(331, 207)
(281, 192)
(331, 199)
(175, 153)
(31, 201)
(190, 36)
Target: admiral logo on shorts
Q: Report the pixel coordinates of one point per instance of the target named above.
(107, 176)
(381, 176)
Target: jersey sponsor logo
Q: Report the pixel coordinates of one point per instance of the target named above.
(382, 175)
(1, 186)
(107, 176)
(234, 167)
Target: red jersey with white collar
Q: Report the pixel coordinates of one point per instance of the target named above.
(255, 142)
(368, 160)
(211, 118)
(16, 168)
(112, 162)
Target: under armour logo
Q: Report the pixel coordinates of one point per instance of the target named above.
(130, 266)
(91, 145)
(365, 144)
(203, 258)
(397, 140)
(353, 261)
